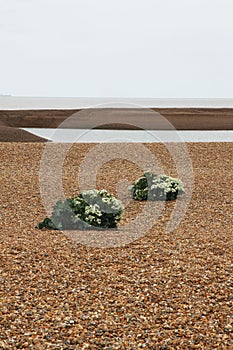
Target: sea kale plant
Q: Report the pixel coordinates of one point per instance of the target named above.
(156, 187)
(91, 209)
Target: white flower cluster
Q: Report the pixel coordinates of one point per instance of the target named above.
(100, 200)
(98, 205)
(93, 213)
(165, 187)
(156, 187)
(167, 184)
(91, 208)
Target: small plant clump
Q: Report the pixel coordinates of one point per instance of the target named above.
(156, 187)
(91, 209)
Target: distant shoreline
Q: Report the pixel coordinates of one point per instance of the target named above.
(8, 102)
(11, 121)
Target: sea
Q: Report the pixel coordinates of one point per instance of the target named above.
(131, 136)
(8, 102)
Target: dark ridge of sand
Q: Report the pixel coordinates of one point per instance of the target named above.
(122, 118)
(9, 134)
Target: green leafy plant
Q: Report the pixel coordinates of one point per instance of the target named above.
(91, 209)
(156, 187)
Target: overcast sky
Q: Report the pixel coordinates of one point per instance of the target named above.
(117, 48)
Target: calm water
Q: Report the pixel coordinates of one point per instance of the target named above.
(111, 136)
(12, 102)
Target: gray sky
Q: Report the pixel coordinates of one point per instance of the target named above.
(120, 48)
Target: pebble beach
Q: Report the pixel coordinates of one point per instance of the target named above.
(161, 291)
